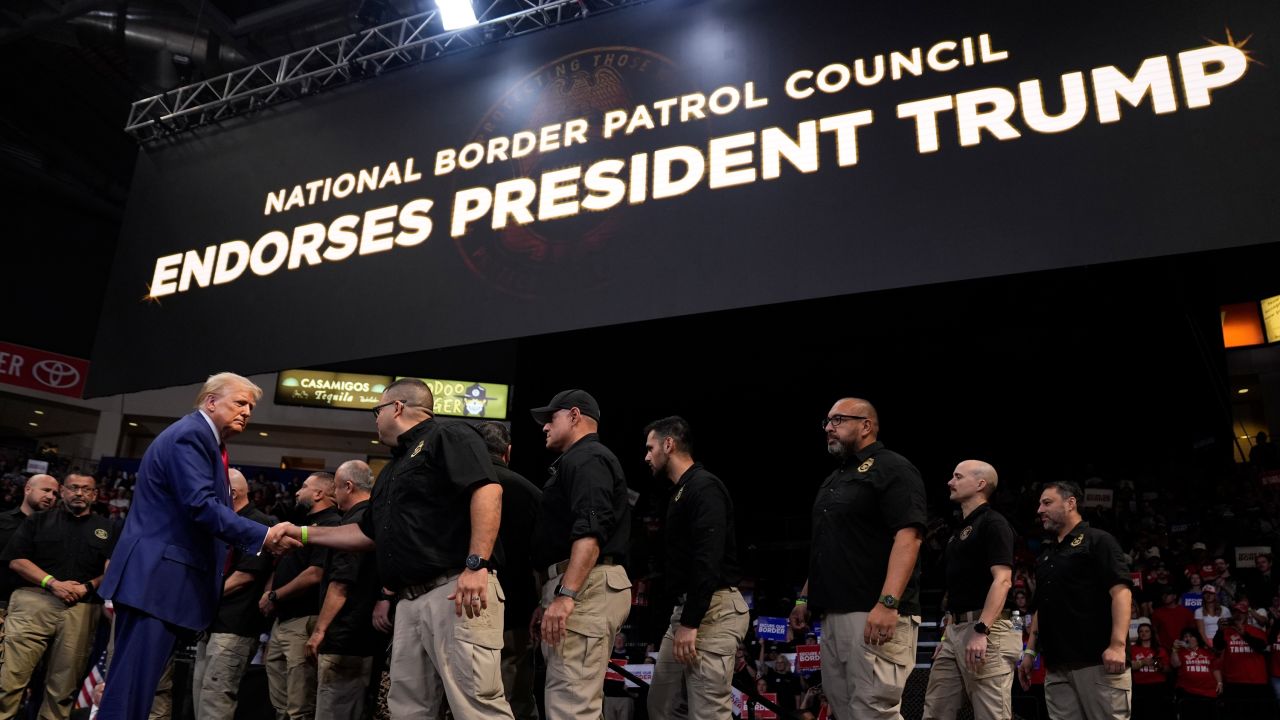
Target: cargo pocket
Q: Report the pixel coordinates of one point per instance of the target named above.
(1114, 692)
(1002, 651)
(475, 657)
(900, 650)
(725, 625)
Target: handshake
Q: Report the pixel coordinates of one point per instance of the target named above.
(282, 537)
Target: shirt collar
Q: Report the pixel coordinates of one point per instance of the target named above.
(866, 452)
(1079, 526)
(217, 439)
(408, 436)
(688, 473)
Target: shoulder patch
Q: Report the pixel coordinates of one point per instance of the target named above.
(1079, 539)
(678, 494)
(100, 534)
(417, 449)
(966, 532)
(866, 465)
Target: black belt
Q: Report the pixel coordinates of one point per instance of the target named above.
(558, 569)
(413, 592)
(975, 615)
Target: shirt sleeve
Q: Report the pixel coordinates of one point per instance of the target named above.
(591, 500)
(344, 567)
(22, 544)
(710, 523)
(998, 539)
(903, 500)
(1110, 558)
(464, 456)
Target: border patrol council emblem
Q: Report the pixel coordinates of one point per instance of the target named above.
(100, 534)
(966, 532)
(678, 494)
(1079, 539)
(417, 449)
(867, 466)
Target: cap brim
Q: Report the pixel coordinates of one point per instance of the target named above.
(542, 415)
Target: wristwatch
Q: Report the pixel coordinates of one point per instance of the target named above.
(271, 595)
(475, 562)
(889, 601)
(562, 591)
(981, 628)
(384, 595)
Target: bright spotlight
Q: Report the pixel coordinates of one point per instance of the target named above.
(456, 14)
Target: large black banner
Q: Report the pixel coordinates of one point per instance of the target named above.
(683, 157)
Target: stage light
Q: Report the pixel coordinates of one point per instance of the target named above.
(34, 424)
(1243, 391)
(262, 434)
(456, 14)
(373, 442)
(38, 412)
(133, 424)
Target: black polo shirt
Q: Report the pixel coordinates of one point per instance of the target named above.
(520, 502)
(420, 516)
(859, 508)
(585, 496)
(1073, 595)
(702, 547)
(9, 522)
(985, 538)
(292, 564)
(238, 613)
(352, 632)
(67, 547)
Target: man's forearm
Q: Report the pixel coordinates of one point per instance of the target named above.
(28, 570)
(582, 557)
(486, 516)
(1121, 612)
(1001, 581)
(306, 580)
(349, 537)
(902, 561)
(236, 581)
(334, 598)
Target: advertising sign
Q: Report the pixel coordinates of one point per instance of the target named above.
(317, 388)
(1098, 497)
(676, 158)
(27, 367)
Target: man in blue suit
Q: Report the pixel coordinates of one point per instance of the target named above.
(166, 573)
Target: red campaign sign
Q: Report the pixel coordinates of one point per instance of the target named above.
(763, 713)
(808, 657)
(1136, 577)
(610, 675)
(40, 370)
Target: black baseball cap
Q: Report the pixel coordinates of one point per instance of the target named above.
(565, 400)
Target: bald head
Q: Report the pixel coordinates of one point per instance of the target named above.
(39, 494)
(239, 489)
(985, 472)
(972, 483)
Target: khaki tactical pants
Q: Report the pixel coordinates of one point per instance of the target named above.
(341, 683)
(39, 623)
(864, 681)
(989, 688)
(291, 678)
(517, 673)
(221, 662)
(576, 667)
(704, 687)
(1088, 693)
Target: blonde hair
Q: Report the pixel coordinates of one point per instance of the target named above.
(225, 382)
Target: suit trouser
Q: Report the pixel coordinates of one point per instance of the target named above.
(291, 678)
(143, 646)
(708, 681)
(989, 688)
(1088, 693)
(430, 641)
(576, 667)
(39, 622)
(221, 662)
(342, 682)
(517, 673)
(865, 681)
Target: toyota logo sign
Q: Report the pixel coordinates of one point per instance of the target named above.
(55, 374)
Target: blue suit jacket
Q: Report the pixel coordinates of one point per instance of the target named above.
(169, 560)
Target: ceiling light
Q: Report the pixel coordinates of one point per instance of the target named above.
(1242, 391)
(262, 434)
(38, 412)
(133, 424)
(373, 442)
(456, 14)
(34, 424)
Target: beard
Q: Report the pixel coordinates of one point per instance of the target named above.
(838, 449)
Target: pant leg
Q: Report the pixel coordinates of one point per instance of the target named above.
(708, 681)
(944, 695)
(1103, 695)
(67, 660)
(879, 673)
(162, 704)
(517, 673)
(301, 673)
(227, 660)
(838, 642)
(409, 697)
(990, 688)
(143, 646)
(341, 682)
(277, 666)
(467, 653)
(33, 621)
(4, 613)
(576, 667)
(666, 689)
(197, 674)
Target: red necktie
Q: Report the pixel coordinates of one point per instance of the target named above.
(226, 470)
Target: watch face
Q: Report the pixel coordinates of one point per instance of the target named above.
(890, 601)
(473, 562)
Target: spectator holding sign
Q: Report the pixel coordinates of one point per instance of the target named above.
(979, 649)
(710, 617)
(1199, 680)
(868, 524)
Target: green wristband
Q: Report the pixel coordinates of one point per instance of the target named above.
(45, 582)
(304, 533)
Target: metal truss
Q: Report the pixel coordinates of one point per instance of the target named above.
(365, 54)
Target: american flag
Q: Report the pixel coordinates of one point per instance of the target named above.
(98, 671)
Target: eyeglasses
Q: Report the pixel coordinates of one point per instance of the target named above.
(78, 490)
(378, 408)
(835, 420)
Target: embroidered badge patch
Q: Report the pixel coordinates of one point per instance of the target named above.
(100, 533)
(866, 465)
(678, 494)
(965, 533)
(417, 449)
(1079, 539)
